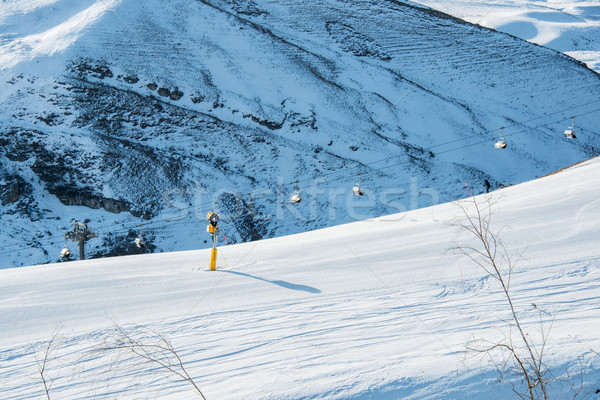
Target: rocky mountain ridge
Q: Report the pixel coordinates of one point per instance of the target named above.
(153, 119)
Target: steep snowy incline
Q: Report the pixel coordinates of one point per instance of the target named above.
(373, 309)
(159, 115)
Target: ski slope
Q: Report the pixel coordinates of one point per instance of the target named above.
(376, 309)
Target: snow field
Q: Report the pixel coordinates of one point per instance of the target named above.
(571, 27)
(373, 309)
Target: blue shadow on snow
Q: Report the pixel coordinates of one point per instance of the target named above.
(287, 285)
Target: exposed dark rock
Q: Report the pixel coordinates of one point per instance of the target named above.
(17, 195)
(131, 79)
(243, 216)
(176, 94)
(265, 122)
(11, 191)
(65, 174)
(164, 92)
(92, 68)
(50, 119)
(152, 86)
(245, 7)
(122, 245)
(72, 196)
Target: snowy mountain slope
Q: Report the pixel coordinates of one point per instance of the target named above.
(133, 114)
(374, 309)
(571, 27)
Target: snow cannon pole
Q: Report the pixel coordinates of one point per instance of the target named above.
(213, 219)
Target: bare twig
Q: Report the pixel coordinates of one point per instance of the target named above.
(43, 361)
(152, 347)
(490, 254)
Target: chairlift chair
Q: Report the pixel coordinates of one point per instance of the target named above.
(570, 132)
(357, 189)
(139, 241)
(65, 252)
(296, 198)
(501, 144)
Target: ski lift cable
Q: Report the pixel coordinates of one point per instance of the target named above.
(128, 227)
(518, 124)
(375, 170)
(515, 133)
(362, 165)
(161, 223)
(150, 47)
(426, 149)
(451, 150)
(478, 135)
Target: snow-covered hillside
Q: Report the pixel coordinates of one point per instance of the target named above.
(125, 113)
(571, 27)
(377, 309)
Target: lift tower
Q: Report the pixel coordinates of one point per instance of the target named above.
(81, 234)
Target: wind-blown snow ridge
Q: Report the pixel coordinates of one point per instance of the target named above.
(55, 30)
(373, 309)
(571, 27)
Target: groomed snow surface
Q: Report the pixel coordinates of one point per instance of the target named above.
(388, 91)
(377, 309)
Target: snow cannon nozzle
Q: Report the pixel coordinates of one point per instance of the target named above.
(213, 218)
